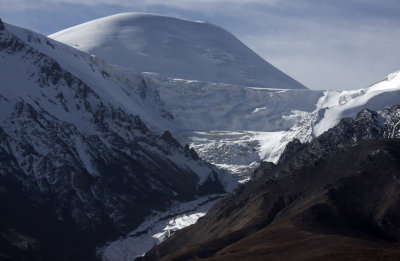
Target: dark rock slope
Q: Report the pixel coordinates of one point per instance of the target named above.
(336, 198)
(77, 170)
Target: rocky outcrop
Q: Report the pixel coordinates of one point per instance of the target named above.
(367, 125)
(334, 198)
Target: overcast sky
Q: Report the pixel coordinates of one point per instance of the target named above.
(324, 44)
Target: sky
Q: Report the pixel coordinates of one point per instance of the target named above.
(324, 44)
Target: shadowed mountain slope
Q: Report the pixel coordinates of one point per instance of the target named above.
(336, 198)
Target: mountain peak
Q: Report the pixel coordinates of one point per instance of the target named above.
(175, 48)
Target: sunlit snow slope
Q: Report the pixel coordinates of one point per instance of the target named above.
(175, 48)
(255, 124)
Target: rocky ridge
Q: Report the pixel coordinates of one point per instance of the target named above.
(77, 170)
(340, 187)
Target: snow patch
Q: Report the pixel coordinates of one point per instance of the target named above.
(157, 228)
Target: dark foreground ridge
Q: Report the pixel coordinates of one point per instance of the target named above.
(346, 206)
(337, 198)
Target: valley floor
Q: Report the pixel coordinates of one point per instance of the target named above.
(156, 228)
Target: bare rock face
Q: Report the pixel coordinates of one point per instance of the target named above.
(1, 25)
(368, 125)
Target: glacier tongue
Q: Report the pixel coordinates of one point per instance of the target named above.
(157, 227)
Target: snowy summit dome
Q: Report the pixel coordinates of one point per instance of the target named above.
(175, 48)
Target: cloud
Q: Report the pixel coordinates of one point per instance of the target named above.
(330, 44)
(178, 4)
(322, 56)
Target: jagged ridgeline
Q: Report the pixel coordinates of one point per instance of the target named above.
(77, 169)
(334, 198)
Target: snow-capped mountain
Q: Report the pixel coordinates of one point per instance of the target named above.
(175, 48)
(93, 149)
(232, 126)
(78, 166)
